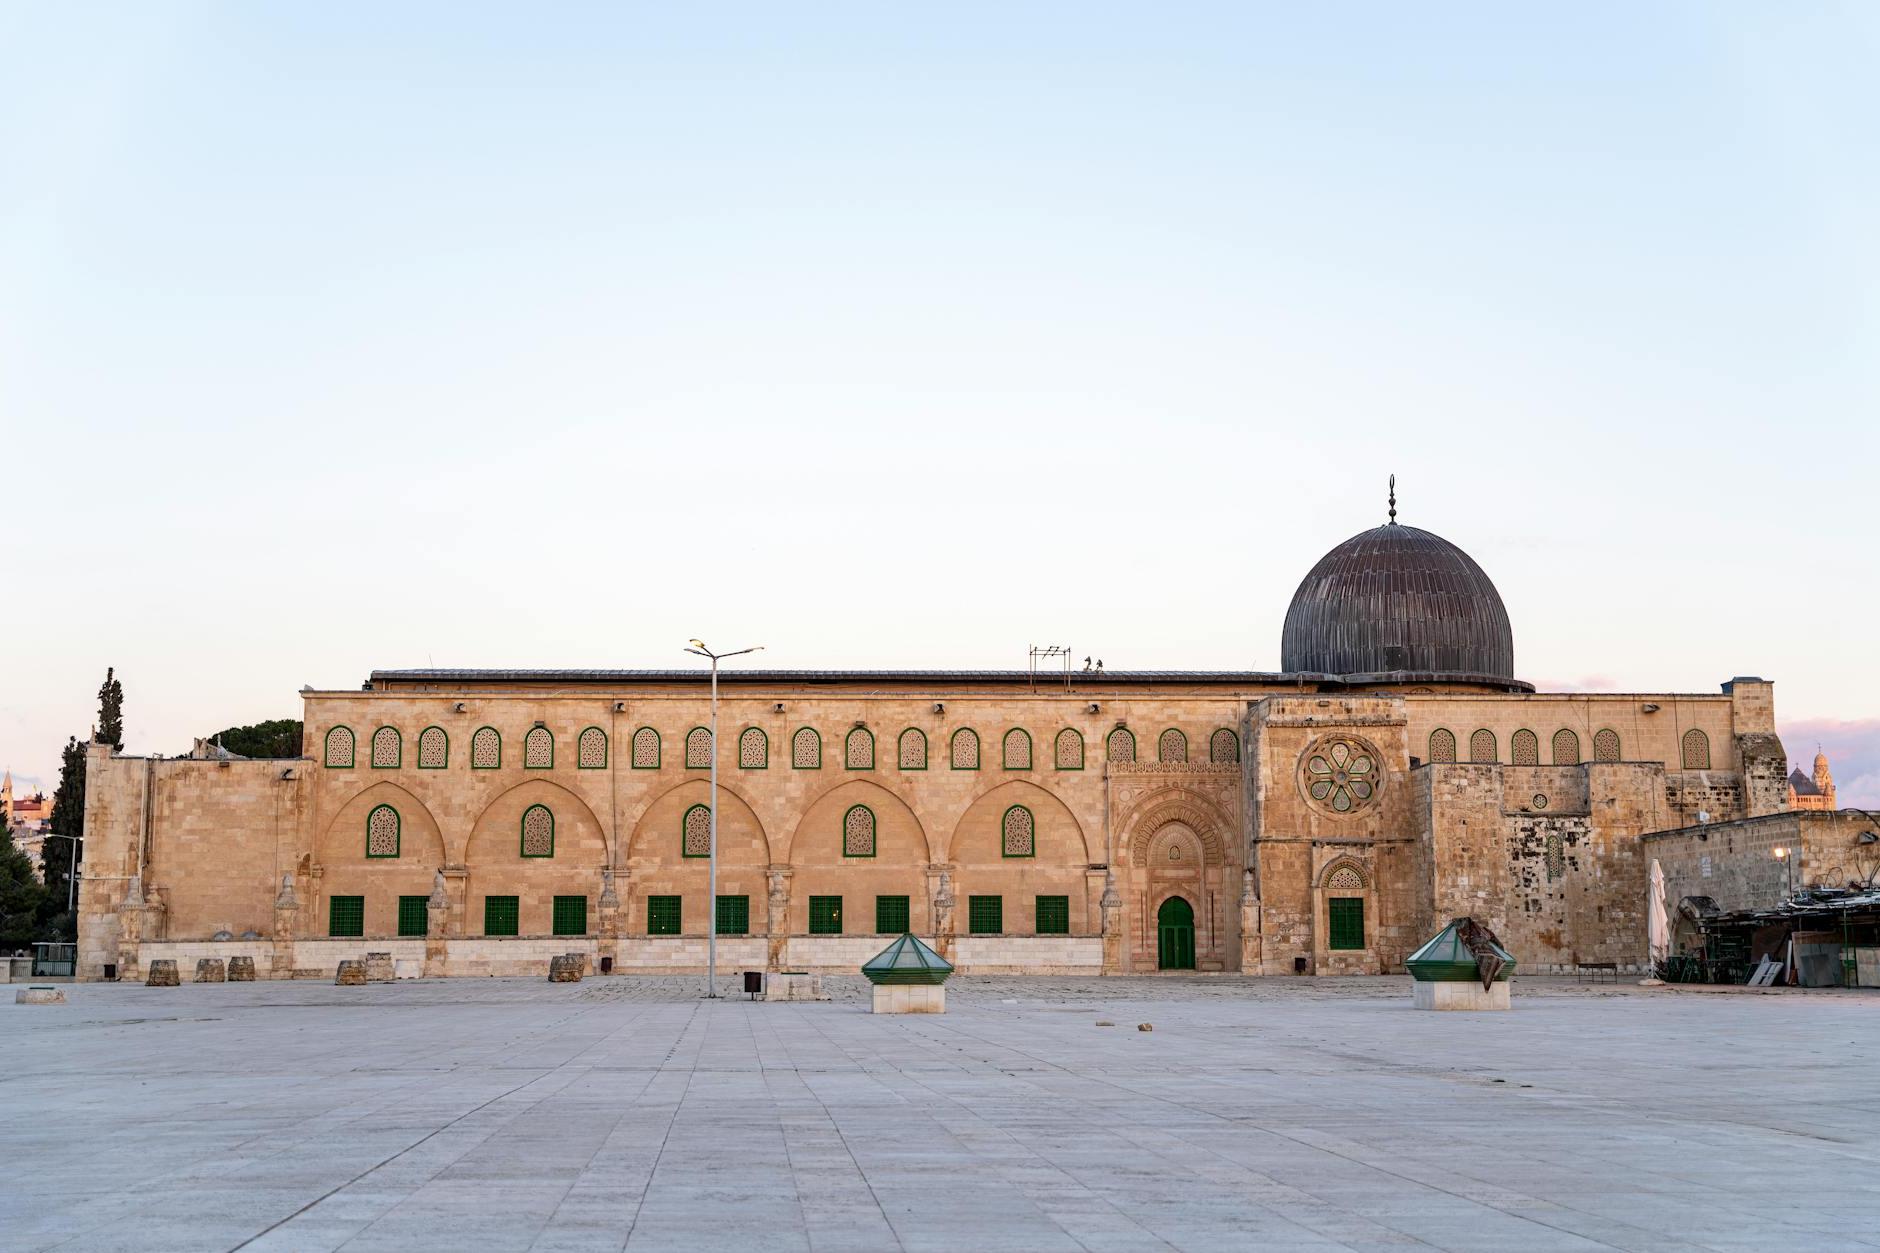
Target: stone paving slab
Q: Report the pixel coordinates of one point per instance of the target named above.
(628, 1113)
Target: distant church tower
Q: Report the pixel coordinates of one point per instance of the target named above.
(6, 802)
(1816, 792)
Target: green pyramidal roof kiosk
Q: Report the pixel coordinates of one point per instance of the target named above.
(1463, 966)
(908, 978)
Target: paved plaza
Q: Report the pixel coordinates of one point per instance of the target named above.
(628, 1113)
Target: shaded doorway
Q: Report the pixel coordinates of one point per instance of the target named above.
(1175, 935)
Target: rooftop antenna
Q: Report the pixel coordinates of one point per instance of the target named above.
(1393, 500)
(1046, 653)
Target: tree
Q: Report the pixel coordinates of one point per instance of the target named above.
(21, 896)
(111, 711)
(60, 856)
(277, 738)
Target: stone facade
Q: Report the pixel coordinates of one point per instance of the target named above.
(1735, 863)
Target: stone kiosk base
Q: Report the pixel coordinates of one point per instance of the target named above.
(1456, 995)
(910, 998)
(794, 985)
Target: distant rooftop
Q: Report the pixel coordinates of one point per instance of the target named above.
(450, 677)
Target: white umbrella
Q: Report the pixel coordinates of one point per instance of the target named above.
(1660, 922)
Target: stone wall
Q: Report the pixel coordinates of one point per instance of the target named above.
(1734, 863)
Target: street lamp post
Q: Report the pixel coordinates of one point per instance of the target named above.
(711, 890)
(71, 867)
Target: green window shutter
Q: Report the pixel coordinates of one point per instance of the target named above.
(412, 918)
(571, 915)
(825, 915)
(500, 915)
(985, 914)
(734, 915)
(1344, 916)
(1054, 915)
(891, 915)
(346, 915)
(662, 915)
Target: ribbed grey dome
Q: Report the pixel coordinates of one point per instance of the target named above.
(1397, 599)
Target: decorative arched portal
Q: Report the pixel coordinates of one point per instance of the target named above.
(1174, 842)
(1175, 935)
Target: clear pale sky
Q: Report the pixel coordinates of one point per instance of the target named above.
(343, 336)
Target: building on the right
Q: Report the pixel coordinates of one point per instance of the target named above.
(1816, 792)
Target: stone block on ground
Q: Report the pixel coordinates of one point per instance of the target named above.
(162, 974)
(379, 968)
(1456, 994)
(351, 974)
(39, 996)
(211, 970)
(241, 970)
(910, 998)
(794, 985)
(565, 968)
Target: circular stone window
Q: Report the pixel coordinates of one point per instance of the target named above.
(1540, 801)
(1341, 774)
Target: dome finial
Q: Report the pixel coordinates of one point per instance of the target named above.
(1393, 500)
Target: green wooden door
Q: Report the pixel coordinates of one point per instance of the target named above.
(1175, 935)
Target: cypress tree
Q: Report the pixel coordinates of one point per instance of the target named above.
(111, 711)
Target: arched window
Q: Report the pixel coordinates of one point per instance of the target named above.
(1070, 749)
(486, 749)
(1556, 856)
(339, 748)
(1696, 750)
(538, 832)
(695, 832)
(1606, 745)
(590, 751)
(382, 832)
(1017, 752)
(965, 751)
(1566, 748)
(753, 749)
(913, 749)
(1524, 748)
(388, 749)
(806, 749)
(698, 749)
(538, 749)
(433, 749)
(1018, 833)
(1172, 746)
(858, 750)
(1122, 745)
(1442, 746)
(858, 832)
(1482, 747)
(646, 749)
(1223, 747)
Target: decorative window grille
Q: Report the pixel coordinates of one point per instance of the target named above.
(753, 749)
(346, 915)
(985, 915)
(1482, 747)
(538, 832)
(734, 915)
(1442, 746)
(388, 750)
(662, 915)
(1054, 915)
(382, 832)
(1018, 833)
(1606, 745)
(433, 749)
(858, 750)
(858, 832)
(1524, 748)
(1070, 749)
(590, 751)
(695, 832)
(570, 915)
(339, 748)
(646, 749)
(486, 749)
(1173, 746)
(538, 749)
(825, 915)
(891, 915)
(965, 750)
(1344, 917)
(1017, 749)
(501, 915)
(1345, 878)
(1556, 856)
(1223, 747)
(1566, 748)
(806, 749)
(413, 918)
(1122, 745)
(698, 749)
(1696, 750)
(913, 749)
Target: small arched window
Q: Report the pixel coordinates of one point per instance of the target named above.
(1442, 746)
(538, 749)
(753, 749)
(1017, 752)
(339, 748)
(806, 749)
(1172, 746)
(1566, 748)
(913, 754)
(590, 751)
(1696, 750)
(965, 750)
(486, 749)
(1556, 855)
(1345, 878)
(698, 749)
(1018, 833)
(858, 750)
(388, 749)
(538, 832)
(382, 832)
(433, 749)
(1122, 745)
(1524, 748)
(1223, 747)
(1070, 749)
(1606, 745)
(1482, 747)
(695, 832)
(858, 832)
(646, 749)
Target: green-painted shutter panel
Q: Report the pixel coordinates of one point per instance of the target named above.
(825, 915)
(346, 915)
(571, 915)
(501, 915)
(986, 915)
(412, 918)
(1054, 915)
(734, 915)
(1344, 916)
(891, 915)
(662, 915)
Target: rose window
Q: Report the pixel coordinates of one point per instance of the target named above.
(1341, 775)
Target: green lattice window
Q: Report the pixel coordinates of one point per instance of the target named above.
(825, 915)
(662, 915)
(1344, 919)
(985, 915)
(734, 915)
(412, 918)
(891, 915)
(501, 915)
(1054, 915)
(571, 915)
(346, 915)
